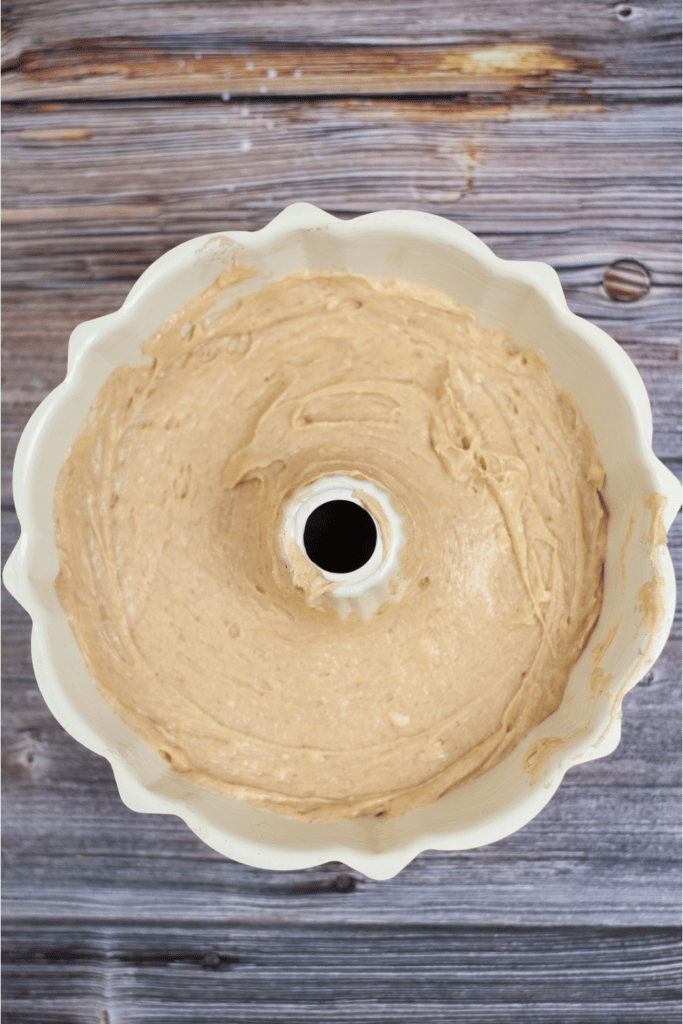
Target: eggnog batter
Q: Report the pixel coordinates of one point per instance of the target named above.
(168, 516)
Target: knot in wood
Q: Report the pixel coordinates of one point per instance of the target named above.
(626, 281)
(211, 960)
(345, 883)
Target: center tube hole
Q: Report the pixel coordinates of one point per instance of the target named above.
(340, 536)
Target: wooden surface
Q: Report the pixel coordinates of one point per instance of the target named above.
(552, 131)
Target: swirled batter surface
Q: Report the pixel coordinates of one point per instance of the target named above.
(168, 514)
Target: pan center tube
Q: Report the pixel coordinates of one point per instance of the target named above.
(350, 536)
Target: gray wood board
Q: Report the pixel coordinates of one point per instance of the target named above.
(229, 972)
(562, 171)
(31, 24)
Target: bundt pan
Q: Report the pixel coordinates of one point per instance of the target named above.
(642, 497)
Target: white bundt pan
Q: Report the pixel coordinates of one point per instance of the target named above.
(526, 299)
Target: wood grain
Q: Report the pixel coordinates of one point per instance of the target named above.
(116, 69)
(40, 24)
(561, 168)
(553, 132)
(310, 48)
(348, 974)
(315, 22)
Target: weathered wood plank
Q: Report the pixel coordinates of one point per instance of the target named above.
(561, 166)
(120, 68)
(157, 870)
(41, 23)
(145, 177)
(300, 48)
(227, 971)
